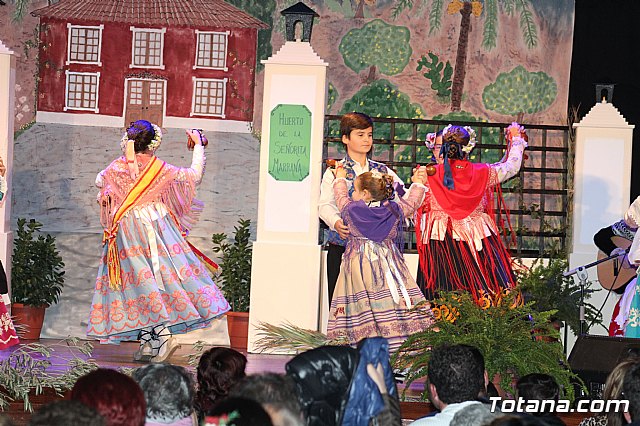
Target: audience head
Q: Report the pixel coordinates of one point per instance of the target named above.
(613, 390)
(456, 373)
(631, 390)
(65, 413)
(5, 420)
(474, 415)
(239, 412)
(537, 386)
(116, 396)
(168, 391)
(276, 392)
(323, 377)
(218, 370)
(512, 420)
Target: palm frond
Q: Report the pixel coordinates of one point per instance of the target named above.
(291, 338)
(30, 368)
(400, 6)
(508, 6)
(197, 348)
(527, 24)
(490, 29)
(435, 16)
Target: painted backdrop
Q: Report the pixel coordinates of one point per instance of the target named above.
(477, 60)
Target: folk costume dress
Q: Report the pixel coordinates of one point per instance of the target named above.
(8, 336)
(626, 314)
(458, 240)
(375, 291)
(149, 274)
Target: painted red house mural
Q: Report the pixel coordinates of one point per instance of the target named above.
(178, 63)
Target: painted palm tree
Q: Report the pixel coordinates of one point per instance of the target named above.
(489, 34)
(359, 6)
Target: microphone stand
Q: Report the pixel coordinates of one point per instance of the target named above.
(583, 275)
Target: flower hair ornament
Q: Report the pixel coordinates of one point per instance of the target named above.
(430, 141)
(222, 420)
(472, 137)
(376, 174)
(155, 142)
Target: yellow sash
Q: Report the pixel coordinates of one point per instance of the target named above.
(145, 180)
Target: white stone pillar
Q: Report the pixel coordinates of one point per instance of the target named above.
(7, 102)
(602, 187)
(286, 268)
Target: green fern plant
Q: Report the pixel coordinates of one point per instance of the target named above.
(544, 283)
(514, 339)
(235, 265)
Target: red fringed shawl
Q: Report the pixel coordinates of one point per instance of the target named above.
(464, 217)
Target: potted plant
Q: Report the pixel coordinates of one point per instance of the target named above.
(234, 278)
(37, 277)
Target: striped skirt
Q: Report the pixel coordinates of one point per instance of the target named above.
(376, 296)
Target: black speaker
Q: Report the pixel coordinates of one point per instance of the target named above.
(593, 357)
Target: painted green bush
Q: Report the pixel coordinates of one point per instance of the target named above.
(332, 95)
(377, 44)
(383, 99)
(520, 91)
(438, 72)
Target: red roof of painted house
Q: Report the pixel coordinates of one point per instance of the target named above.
(180, 13)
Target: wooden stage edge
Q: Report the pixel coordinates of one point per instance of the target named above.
(121, 356)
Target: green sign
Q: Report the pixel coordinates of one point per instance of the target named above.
(290, 143)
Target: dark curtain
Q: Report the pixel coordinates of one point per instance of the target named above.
(606, 49)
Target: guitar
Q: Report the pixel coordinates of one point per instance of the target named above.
(615, 274)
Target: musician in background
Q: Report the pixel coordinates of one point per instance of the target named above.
(619, 275)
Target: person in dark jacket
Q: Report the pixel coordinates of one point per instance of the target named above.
(339, 385)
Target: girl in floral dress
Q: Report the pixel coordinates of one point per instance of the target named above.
(150, 283)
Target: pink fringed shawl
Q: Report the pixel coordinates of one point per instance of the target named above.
(178, 195)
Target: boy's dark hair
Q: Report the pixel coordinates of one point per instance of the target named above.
(631, 391)
(457, 372)
(64, 413)
(538, 386)
(354, 121)
(276, 390)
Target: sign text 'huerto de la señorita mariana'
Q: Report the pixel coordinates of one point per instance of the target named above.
(290, 143)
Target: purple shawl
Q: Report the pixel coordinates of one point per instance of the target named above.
(375, 223)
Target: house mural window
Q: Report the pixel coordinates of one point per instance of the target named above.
(84, 44)
(147, 48)
(209, 97)
(211, 50)
(81, 92)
